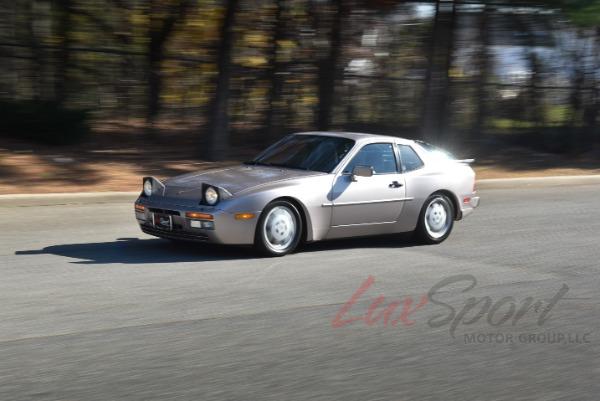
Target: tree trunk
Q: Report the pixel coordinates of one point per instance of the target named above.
(437, 83)
(483, 61)
(63, 54)
(327, 71)
(273, 126)
(124, 85)
(155, 56)
(593, 110)
(575, 97)
(159, 33)
(35, 66)
(218, 126)
(536, 113)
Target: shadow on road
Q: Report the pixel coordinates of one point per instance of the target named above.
(148, 251)
(142, 251)
(382, 241)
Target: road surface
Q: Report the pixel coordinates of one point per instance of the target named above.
(92, 309)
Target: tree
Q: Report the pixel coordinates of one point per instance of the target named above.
(483, 61)
(590, 115)
(63, 54)
(118, 29)
(437, 82)
(585, 14)
(218, 118)
(163, 19)
(327, 68)
(36, 70)
(272, 123)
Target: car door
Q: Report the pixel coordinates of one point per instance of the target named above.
(369, 200)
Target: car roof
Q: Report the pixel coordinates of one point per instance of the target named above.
(358, 136)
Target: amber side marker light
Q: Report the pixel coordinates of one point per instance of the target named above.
(244, 216)
(198, 215)
(139, 208)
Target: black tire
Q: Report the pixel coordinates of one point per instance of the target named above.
(424, 233)
(261, 240)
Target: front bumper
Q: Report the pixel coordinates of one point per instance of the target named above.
(226, 228)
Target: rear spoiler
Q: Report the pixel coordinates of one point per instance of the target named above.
(466, 161)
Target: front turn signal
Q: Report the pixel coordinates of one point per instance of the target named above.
(139, 208)
(244, 216)
(199, 216)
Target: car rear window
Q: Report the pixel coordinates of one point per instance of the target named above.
(409, 158)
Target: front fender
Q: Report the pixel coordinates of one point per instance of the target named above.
(309, 194)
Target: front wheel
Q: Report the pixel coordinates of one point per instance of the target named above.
(279, 229)
(436, 220)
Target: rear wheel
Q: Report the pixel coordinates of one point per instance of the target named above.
(436, 220)
(279, 229)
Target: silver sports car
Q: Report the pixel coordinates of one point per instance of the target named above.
(315, 186)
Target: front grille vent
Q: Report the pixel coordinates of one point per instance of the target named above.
(165, 211)
(182, 235)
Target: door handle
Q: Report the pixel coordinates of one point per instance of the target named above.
(396, 184)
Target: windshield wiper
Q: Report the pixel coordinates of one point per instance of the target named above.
(287, 166)
(280, 165)
(256, 163)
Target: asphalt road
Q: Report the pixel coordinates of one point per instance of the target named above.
(92, 309)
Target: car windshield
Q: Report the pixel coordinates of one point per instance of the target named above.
(306, 152)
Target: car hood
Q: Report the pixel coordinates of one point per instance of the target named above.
(233, 179)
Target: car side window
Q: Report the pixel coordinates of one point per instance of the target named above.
(409, 158)
(380, 156)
